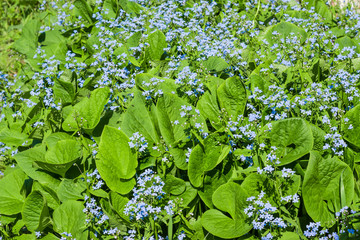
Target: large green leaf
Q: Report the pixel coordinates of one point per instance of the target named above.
(230, 198)
(119, 202)
(70, 189)
(138, 119)
(27, 43)
(319, 137)
(86, 114)
(284, 29)
(64, 89)
(320, 7)
(26, 160)
(35, 212)
(157, 41)
(54, 44)
(351, 134)
(83, 9)
(208, 107)
(69, 217)
(324, 179)
(117, 162)
(53, 138)
(168, 111)
(174, 185)
(52, 199)
(212, 181)
(205, 159)
(232, 97)
(61, 157)
(347, 42)
(292, 137)
(130, 6)
(11, 199)
(14, 138)
(215, 64)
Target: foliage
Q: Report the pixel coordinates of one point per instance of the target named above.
(182, 119)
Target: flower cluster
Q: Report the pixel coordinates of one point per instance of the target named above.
(263, 214)
(148, 197)
(94, 213)
(138, 142)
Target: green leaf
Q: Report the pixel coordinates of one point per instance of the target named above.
(87, 112)
(134, 40)
(187, 196)
(212, 181)
(284, 29)
(53, 138)
(320, 7)
(327, 182)
(208, 107)
(350, 135)
(157, 41)
(289, 235)
(292, 137)
(70, 189)
(14, 138)
(26, 160)
(69, 217)
(215, 64)
(110, 7)
(205, 159)
(174, 185)
(119, 202)
(254, 183)
(52, 199)
(61, 157)
(168, 111)
(64, 89)
(230, 198)
(35, 212)
(232, 97)
(83, 9)
(27, 43)
(117, 162)
(130, 6)
(347, 42)
(11, 199)
(138, 119)
(55, 44)
(319, 138)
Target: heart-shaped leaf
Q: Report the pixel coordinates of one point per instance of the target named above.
(11, 200)
(292, 137)
(117, 161)
(61, 157)
(230, 198)
(324, 178)
(35, 212)
(232, 97)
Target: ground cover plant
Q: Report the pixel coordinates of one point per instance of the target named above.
(179, 119)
